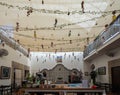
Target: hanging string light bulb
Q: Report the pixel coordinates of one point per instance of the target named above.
(17, 26)
(82, 6)
(55, 23)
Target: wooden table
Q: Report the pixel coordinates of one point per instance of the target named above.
(64, 91)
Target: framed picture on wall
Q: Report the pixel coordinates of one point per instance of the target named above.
(59, 59)
(102, 71)
(5, 72)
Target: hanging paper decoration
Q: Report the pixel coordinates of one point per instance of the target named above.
(51, 44)
(96, 23)
(82, 6)
(112, 3)
(70, 41)
(37, 58)
(85, 46)
(28, 50)
(18, 41)
(114, 16)
(75, 57)
(35, 35)
(49, 55)
(69, 33)
(42, 46)
(30, 10)
(73, 54)
(88, 40)
(42, 1)
(64, 55)
(55, 50)
(55, 23)
(3, 44)
(103, 38)
(68, 13)
(17, 26)
(106, 26)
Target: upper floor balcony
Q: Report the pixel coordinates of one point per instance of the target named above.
(107, 40)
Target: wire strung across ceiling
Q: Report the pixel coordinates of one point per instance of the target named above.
(54, 11)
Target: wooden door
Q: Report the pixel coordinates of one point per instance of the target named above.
(116, 79)
(18, 77)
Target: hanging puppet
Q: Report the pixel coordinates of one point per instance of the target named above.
(51, 44)
(55, 23)
(17, 26)
(114, 16)
(42, 1)
(69, 34)
(82, 6)
(42, 46)
(35, 35)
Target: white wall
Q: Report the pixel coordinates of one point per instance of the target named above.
(13, 55)
(103, 61)
(48, 60)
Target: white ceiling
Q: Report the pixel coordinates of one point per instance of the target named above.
(88, 24)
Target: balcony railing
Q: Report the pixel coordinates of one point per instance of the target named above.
(12, 43)
(112, 31)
